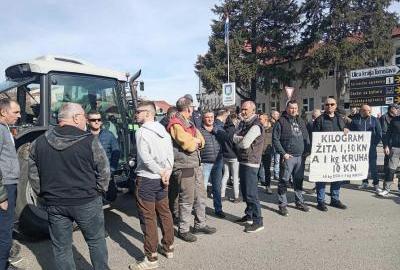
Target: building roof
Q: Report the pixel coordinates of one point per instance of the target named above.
(162, 106)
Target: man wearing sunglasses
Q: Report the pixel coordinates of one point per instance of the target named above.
(329, 121)
(110, 145)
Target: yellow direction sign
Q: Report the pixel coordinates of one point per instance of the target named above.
(397, 79)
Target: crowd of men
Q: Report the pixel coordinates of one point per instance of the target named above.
(178, 160)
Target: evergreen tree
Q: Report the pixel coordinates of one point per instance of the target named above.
(343, 35)
(262, 34)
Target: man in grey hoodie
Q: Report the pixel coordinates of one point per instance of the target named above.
(69, 170)
(155, 160)
(9, 166)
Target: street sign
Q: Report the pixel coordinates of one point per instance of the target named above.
(368, 88)
(228, 94)
(376, 91)
(374, 72)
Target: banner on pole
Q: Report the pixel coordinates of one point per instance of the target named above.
(337, 157)
(229, 94)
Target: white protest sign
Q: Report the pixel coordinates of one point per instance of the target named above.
(337, 157)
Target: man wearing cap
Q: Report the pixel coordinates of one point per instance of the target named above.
(196, 115)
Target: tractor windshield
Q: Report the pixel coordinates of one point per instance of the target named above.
(92, 93)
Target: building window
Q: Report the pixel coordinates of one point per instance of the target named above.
(323, 103)
(308, 104)
(397, 57)
(305, 104)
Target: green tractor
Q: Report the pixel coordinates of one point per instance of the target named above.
(41, 86)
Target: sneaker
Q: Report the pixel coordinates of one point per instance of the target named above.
(206, 230)
(268, 190)
(166, 252)
(254, 228)
(283, 211)
(187, 237)
(143, 265)
(363, 186)
(244, 220)
(322, 207)
(338, 204)
(384, 193)
(303, 207)
(377, 188)
(220, 214)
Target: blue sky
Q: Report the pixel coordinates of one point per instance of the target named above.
(163, 38)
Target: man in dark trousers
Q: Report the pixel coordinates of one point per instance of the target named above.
(249, 142)
(364, 121)
(72, 186)
(391, 146)
(330, 120)
(9, 166)
(385, 120)
(291, 141)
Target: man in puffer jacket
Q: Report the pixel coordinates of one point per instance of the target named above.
(212, 161)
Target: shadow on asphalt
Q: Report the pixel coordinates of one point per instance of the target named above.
(43, 252)
(116, 227)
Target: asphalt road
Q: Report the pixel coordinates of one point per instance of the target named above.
(365, 236)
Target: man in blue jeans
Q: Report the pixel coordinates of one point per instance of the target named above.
(249, 142)
(212, 160)
(9, 166)
(330, 120)
(72, 187)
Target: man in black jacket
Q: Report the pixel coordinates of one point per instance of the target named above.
(291, 141)
(330, 120)
(385, 120)
(69, 170)
(391, 144)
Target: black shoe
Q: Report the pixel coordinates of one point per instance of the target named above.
(338, 204)
(310, 191)
(13, 267)
(220, 214)
(187, 237)
(237, 200)
(322, 207)
(268, 190)
(283, 211)
(254, 228)
(244, 220)
(206, 230)
(303, 207)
